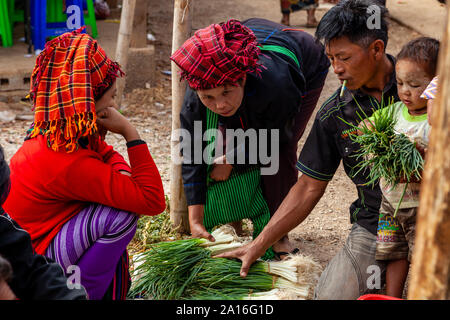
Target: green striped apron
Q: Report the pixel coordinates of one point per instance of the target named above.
(239, 197)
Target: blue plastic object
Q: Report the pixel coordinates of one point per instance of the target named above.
(41, 29)
(55, 13)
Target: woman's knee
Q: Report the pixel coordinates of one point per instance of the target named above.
(122, 222)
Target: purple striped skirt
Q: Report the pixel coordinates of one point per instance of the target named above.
(94, 244)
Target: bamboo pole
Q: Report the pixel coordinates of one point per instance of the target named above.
(182, 25)
(430, 270)
(123, 43)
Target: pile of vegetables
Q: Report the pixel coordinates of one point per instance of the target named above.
(383, 152)
(186, 269)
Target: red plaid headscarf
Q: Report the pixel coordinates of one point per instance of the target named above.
(218, 54)
(70, 74)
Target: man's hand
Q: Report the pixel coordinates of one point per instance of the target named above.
(248, 254)
(366, 123)
(221, 170)
(422, 150)
(296, 206)
(414, 179)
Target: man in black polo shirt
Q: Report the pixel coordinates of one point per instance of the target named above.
(357, 54)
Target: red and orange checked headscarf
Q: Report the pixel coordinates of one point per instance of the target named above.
(218, 54)
(70, 74)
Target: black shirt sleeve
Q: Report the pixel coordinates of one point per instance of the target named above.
(310, 53)
(135, 143)
(320, 157)
(34, 276)
(284, 102)
(193, 168)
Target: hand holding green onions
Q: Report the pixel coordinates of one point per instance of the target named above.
(383, 152)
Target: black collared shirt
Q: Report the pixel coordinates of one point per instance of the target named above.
(328, 143)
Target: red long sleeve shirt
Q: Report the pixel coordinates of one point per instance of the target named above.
(48, 188)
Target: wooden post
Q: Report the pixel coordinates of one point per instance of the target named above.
(112, 3)
(123, 42)
(181, 31)
(139, 34)
(430, 270)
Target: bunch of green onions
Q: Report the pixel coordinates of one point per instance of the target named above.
(220, 273)
(185, 269)
(383, 152)
(165, 267)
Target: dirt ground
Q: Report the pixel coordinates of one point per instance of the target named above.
(325, 230)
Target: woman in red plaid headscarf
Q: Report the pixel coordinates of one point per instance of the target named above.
(253, 75)
(77, 197)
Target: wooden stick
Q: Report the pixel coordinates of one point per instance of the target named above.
(139, 34)
(430, 270)
(182, 27)
(123, 43)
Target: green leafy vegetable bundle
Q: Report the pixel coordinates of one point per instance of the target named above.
(384, 152)
(185, 269)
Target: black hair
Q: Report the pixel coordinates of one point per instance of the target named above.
(5, 183)
(102, 93)
(424, 51)
(352, 19)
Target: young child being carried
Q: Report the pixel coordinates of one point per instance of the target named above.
(415, 68)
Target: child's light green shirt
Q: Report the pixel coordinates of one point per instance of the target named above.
(417, 129)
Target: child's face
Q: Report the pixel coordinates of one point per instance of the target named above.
(412, 80)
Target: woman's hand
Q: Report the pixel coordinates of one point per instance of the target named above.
(112, 120)
(221, 170)
(198, 230)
